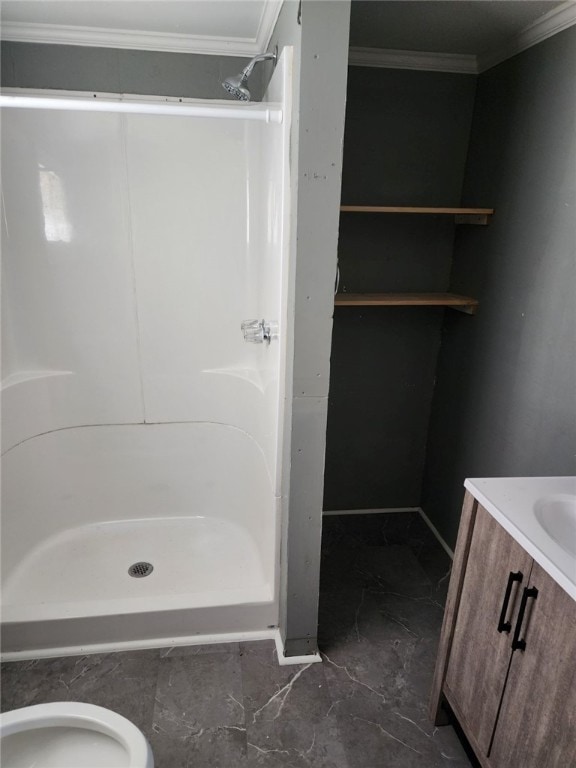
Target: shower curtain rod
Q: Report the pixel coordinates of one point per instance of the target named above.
(265, 114)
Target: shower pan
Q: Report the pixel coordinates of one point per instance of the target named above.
(142, 435)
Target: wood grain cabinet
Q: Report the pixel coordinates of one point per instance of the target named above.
(507, 657)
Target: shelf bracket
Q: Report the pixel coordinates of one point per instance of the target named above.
(479, 219)
(468, 309)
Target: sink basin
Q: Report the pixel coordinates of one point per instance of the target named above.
(557, 515)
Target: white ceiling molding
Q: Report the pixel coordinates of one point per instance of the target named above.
(103, 37)
(56, 34)
(268, 21)
(386, 58)
(560, 18)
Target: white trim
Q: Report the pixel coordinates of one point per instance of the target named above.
(387, 58)
(381, 511)
(138, 645)
(445, 547)
(284, 661)
(268, 21)
(557, 20)
(102, 37)
(163, 642)
(178, 109)
(388, 510)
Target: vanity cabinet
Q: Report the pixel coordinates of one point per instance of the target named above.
(507, 657)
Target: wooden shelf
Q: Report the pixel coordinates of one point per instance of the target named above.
(461, 215)
(453, 300)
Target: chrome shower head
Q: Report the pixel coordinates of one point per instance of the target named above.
(237, 85)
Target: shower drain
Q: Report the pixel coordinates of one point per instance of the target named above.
(139, 570)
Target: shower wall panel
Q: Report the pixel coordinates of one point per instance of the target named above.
(134, 246)
(70, 344)
(268, 218)
(196, 270)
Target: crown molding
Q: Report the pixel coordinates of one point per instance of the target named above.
(387, 58)
(557, 20)
(268, 21)
(102, 37)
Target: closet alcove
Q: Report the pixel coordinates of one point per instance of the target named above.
(452, 199)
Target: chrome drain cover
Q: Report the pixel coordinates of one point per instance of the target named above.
(139, 570)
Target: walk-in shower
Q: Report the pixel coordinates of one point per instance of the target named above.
(139, 427)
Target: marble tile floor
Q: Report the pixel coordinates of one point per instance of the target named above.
(384, 580)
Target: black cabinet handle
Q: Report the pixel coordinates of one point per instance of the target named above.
(518, 644)
(503, 625)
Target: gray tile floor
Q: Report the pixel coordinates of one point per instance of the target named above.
(384, 581)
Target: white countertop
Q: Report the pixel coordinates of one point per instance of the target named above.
(511, 501)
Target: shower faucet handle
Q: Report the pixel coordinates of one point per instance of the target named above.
(259, 331)
(252, 330)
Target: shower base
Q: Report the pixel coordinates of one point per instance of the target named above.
(74, 589)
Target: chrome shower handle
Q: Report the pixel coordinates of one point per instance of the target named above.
(259, 331)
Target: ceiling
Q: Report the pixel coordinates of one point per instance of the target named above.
(452, 26)
(232, 27)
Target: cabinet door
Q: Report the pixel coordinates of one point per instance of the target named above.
(480, 654)
(537, 723)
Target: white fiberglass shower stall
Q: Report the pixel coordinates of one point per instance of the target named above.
(138, 424)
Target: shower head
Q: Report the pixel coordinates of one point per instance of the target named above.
(237, 85)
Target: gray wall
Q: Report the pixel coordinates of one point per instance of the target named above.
(505, 401)
(150, 73)
(405, 143)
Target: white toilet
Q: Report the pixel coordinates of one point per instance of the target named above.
(71, 735)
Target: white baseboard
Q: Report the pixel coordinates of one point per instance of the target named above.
(386, 510)
(139, 645)
(382, 511)
(434, 530)
(310, 658)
